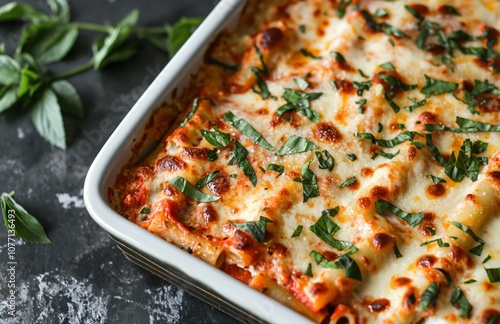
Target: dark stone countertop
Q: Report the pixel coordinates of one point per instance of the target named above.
(82, 277)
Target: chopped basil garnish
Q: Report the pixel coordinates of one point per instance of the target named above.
(296, 144)
(262, 169)
(391, 103)
(412, 219)
(488, 258)
(190, 191)
(363, 74)
(264, 69)
(301, 102)
(345, 262)
(212, 155)
(382, 27)
(302, 29)
(145, 210)
(380, 128)
(447, 275)
(397, 253)
(477, 250)
(332, 212)
(327, 163)
(435, 180)
(351, 157)
(416, 104)
(239, 157)
(302, 83)
(476, 96)
(297, 231)
(308, 271)
(464, 165)
(401, 138)
(247, 129)
(437, 87)
(439, 242)
(306, 53)
(341, 8)
(361, 103)
(338, 57)
(216, 138)
(389, 156)
(206, 179)
(263, 89)
(470, 281)
(348, 182)
(194, 106)
(233, 175)
(309, 183)
(395, 83)
(381, 12)
(362, 86)
(388, 66)
(256, 229)
(459, 301)
(275, 167)
(414, 13)
(493, 274)
(430, 296)
(451, 10)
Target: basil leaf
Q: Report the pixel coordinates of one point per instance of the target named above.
(239, 157)
(430, 296)
(361, 104)
(351, 157)
(435, 180)
(470, 281)
(390, 30)
(212, 155)
(301, 102)
(459, 301)
(451, 10)
(388, 66)
(308, 271)
(395, 83)
(439, 242)
(145, 210)
(309, 183)
(60, 8)
(105, 49)
(412, 219)
(10, 70)
(341, 8)
(476, 96)
(303, 85)
(194, 106)
(362, 86)
(414, 13)
(384, 154)
(20, 222)
(306, 53)
(416, 104)
(206, 179)
(275, 167)
(216, 138)
(327, 163)
(256, 229)
(493, 274)
(264, 69)
(8, 97)
(447, 275)
(302, 29)
(325, 228)
(391, 103)
(190, 191)
(20, 11)
(338, 57)
(476, 250)
(297, 231)
(296, 144)
(488, 258)
(68, 98)
(401, 138)
(350, 267)
(332, 212)
(348, 182)
(363, 74)
(381, 12)
(263, 89)
(29, 83)
(437, 87)
(247, 129)
(397, 253)
(380, 128)
(47, 119)
(180, 32)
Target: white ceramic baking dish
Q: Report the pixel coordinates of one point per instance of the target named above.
(147, 250)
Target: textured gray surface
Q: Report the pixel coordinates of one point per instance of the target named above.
(82, 277)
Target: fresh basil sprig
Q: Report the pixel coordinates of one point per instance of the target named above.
(412, 219)
(20, 222)
(296, 144)
(190, 191)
